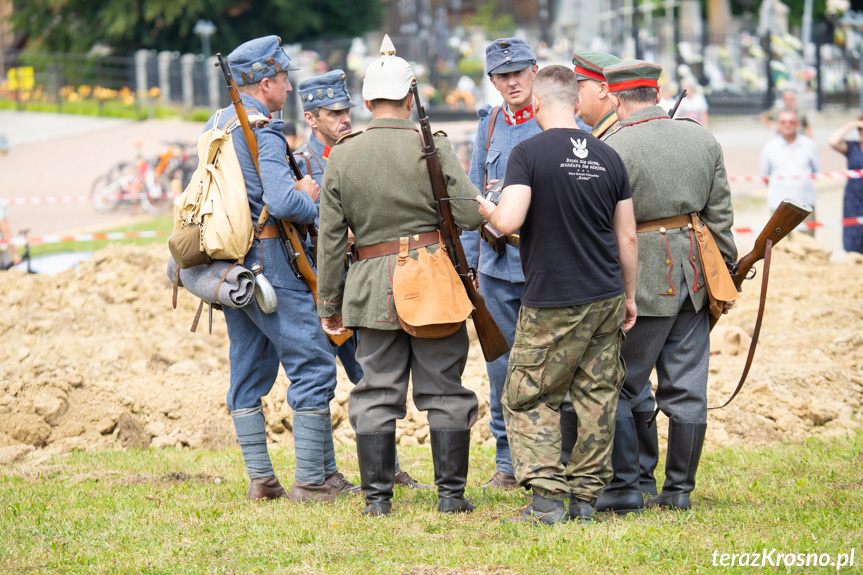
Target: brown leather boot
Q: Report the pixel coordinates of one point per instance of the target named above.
(501, 480)
(342, 486)
(265, 488)
(404, 479)
(301, 492)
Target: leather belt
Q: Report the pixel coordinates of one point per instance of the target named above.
(268, 232)
(390, 248)
(663, 224)
(513, 239)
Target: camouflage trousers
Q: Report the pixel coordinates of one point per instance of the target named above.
(558, 350)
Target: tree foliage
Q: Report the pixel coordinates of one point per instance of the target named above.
(127, 25)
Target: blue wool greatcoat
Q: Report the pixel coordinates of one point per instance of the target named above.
(501, 277)
(292, 335)
(310, 159)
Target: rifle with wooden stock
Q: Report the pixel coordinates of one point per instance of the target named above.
(784, 220)
(288, 231)
(490, 337)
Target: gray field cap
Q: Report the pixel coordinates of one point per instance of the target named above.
(325, 91)
(257, 59)
(508, 55)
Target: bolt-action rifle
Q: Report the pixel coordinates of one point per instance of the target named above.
(288, 231)
(491, 339)
(677, 102)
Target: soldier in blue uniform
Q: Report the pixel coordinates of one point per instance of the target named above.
(327, 110)
(292, 335)
(511, 67)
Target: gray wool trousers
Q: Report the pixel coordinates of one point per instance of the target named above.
(389, 359)
(679, 347)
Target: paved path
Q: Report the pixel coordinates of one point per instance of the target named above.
(55, 154)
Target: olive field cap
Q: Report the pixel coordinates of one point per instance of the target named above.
(506, 55)
(592, 65)
(388, 77)
(632, 74)
(257, 59)
(325, 91)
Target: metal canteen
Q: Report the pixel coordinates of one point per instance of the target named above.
(265, 295)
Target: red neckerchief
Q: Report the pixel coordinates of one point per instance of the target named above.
(521, 116)
(326, 153)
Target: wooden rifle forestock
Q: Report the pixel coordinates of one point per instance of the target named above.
(287, 230)
(490, 337)
(783, 221)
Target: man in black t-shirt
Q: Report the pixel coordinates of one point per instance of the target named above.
(569, 193)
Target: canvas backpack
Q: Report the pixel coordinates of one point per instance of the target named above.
(214, 207)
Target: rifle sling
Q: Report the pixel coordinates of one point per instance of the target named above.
(768, 248)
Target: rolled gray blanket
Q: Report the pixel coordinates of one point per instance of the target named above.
(237, 289)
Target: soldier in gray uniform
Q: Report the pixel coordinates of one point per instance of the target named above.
(377, 184)
(327, 110)
(675, 168)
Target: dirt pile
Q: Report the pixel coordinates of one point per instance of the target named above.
(95, 357)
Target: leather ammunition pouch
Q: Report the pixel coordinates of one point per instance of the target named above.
(717, 278)
(497, 239)
(430, 299)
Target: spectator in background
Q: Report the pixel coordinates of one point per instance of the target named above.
(852, 205)
(668, 94)
(787, 102)
(8, 256)
(788, 160)
(694, 105)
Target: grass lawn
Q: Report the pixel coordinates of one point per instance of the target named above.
(182, 511)
(163, 223)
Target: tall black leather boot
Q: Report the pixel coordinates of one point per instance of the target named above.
(450, 454)
(623, 494)
(685, 441)
(568, 432)
(376, 453)
(648, 451)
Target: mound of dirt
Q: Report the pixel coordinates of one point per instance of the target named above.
(96, 358)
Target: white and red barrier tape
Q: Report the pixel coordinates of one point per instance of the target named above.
(843, 175)
(111, 236)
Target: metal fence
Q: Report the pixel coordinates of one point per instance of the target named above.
(732, 71)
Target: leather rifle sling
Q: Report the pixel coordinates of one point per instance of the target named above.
(768, 248)
(494, 113)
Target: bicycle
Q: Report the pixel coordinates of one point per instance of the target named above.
(25, 255)
(140, 181)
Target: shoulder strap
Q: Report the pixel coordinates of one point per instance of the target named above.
(765, 272)
(491, 123)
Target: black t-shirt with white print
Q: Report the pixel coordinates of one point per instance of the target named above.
(568, 248)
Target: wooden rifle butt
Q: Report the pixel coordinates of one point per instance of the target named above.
(491, 339)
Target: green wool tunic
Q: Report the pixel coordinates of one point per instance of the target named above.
(675, 167)
(377, 184)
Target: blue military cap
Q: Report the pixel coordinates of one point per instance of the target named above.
(325, 91)
(257, 59)
(508, 55)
